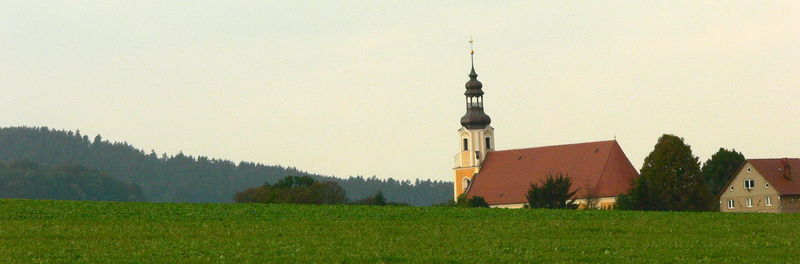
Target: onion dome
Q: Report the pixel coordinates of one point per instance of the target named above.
(475, 119)
(473, 85)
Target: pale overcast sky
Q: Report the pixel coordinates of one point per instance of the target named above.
(376, 87)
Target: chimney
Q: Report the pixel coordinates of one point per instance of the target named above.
(787, 170)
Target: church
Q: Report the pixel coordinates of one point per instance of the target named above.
(599, 171)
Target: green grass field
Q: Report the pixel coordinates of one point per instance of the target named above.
(64, 231)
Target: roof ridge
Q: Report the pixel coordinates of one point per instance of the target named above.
(774, 158)
(559, 145)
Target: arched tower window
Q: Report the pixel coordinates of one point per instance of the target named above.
(488, 143)
(466, 144)
(465, 184)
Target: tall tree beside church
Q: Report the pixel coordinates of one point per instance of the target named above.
(670, 180)
(718, 170)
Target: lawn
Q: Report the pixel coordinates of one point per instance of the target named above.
(68, 231)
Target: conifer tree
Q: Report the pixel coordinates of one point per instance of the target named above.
(670, 180)
(719, 169)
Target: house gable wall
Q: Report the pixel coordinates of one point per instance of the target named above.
(758, 194)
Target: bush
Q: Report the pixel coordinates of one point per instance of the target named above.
(478, 201)
(375, 199)
(294, 190)
(474, 201)
(553, 194)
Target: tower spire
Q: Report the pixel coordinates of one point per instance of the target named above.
(472, 57)
(475, 118)
(471, 52)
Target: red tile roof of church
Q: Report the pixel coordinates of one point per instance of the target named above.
(505, 176)
(773, 171)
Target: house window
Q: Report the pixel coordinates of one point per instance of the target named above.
(766, 185)
(749, 202)
(466, 144)
(749, 184)
(488, 143)
(731, 188)
(768, 201)
(731, 203)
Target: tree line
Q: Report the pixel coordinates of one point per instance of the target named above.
(186, 178)
(672, 179)
(30, 180)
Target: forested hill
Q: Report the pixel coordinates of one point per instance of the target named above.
(182, 178)
(29, 180)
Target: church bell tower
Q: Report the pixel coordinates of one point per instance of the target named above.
(476, 137)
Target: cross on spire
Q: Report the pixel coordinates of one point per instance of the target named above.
(471, 52)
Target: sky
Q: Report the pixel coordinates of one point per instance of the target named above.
(376, 87)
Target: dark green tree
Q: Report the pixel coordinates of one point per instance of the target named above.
(478, 201)
(474, 201)
(294, 181)
(718, 170)
(670, 180)
(552, 194)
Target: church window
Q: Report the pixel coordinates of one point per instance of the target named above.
(488, 143)
(466, 144)
(465, 184)
(477, 154)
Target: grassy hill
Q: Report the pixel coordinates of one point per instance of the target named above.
(69, 231)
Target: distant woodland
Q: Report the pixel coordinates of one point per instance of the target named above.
(185, 178)
(29, 180)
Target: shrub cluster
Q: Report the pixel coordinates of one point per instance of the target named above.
(295, 190)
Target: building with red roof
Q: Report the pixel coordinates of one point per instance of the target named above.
(599, 171)
(763, 185)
